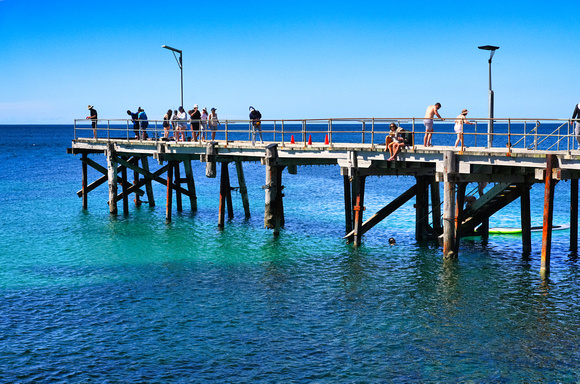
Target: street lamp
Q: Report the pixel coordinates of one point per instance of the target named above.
(180, 63)
(491, 50)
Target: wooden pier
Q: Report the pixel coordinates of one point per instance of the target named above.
(512, 171)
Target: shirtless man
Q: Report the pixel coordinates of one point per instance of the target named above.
(428, 122)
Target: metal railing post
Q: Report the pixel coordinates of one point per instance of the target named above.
(282, 123)
(108, 130)
(373, 132)
(226, 131)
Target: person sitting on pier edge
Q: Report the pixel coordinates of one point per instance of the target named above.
(144, 122)
(255, 117)
(430, 113)
(135, 120)
(167, 123)
(94, 119)
(397, 143)
(576, 115)
(392, 134)
(195, 117)
(458, 128)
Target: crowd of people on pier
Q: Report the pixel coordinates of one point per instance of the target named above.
(176, 123)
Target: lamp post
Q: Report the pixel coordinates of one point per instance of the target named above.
(180, 63)
(491, 50)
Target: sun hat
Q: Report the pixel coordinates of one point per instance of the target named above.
(251, 108)
(464, 112)
(194, 105)
(90, 106)
(213, 109)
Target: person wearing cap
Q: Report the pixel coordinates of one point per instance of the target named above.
(204, 117)
(255, 117)
(195, 116)
(181, 124)
(213, 123)
(458, 128)
(94, 119)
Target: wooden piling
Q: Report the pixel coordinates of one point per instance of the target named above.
(347, 204)
(125, 187)
(210, 165)
(243, 188)
(177, 178)
(435, 205)
(461, 187)
(358, 208)
(526, 218)
(135, 161)
(574, 215)
(273, 208)
(550, 183)
(190, 184)
(85, 182)
(148, 183)
(112, 178)
(450, 167)
(225, 195)
(169, 203)
(421, 208)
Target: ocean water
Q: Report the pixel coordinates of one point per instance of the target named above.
(87, 297)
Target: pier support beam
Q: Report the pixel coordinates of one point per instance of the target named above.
(137, 200)
(459, 215)
(358, 194)
(125, 187)
(225, 196)
(177, 176)
(273, 212)
(169, 204)
(526, 218)
(210, 165)
(450, 169)
(148, 183)
(573, 215)
(85, 182)
(436, 205)
(243, 188)
(112, 178)
(550, 183)
(422, 208)
(347, 204)
(190, 184)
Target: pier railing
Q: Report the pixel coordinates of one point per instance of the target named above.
(520, 133)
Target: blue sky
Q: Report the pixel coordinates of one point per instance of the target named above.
(299, 59)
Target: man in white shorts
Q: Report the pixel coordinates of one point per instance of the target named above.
(428, 122)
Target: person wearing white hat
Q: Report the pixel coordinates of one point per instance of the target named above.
(458, 128)
(94, 118)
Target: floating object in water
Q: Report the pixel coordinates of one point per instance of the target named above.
(517, 231)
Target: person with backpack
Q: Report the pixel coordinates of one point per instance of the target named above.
(255, 117)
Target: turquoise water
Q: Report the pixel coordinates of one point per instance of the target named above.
(86, 297)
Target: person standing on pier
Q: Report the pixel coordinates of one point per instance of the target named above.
(430, 114)
(167, 123)
(204, 116)
(135, 120)
(213, 123)
(195, 117)
(576, 115)
(94, 118)
(255, 117)
(458, 128)
(181, 124)
(142, 116)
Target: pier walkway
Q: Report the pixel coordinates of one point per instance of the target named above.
(517, 154)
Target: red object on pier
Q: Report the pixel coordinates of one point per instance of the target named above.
(309, 139)
(326, 140)
(292, 139)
